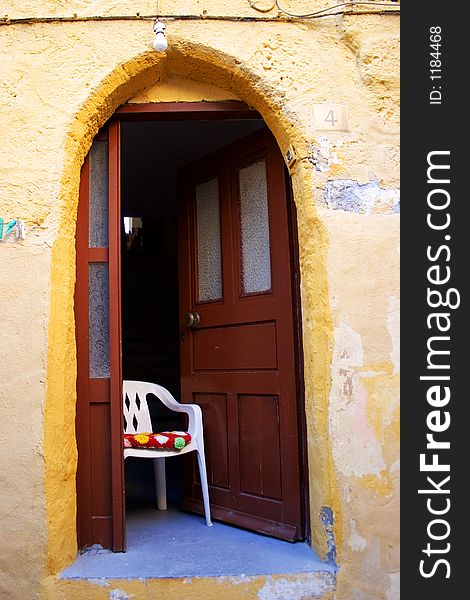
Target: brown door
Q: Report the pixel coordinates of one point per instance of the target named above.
(237, 335)
(100, 489)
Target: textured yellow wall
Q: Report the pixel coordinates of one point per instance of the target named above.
(301, 586)
(60, 83)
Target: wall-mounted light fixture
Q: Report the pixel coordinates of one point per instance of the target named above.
(160, 43)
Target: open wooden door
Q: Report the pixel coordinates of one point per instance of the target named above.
(100, 488)
(237, 335)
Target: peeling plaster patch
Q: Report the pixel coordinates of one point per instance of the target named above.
(348, 353)
(118, 595)
(99, 581)
(347, 493)
(394, 592)
(94, 550)
(393, 326)
(351, 196)
(328, 522)
(356, 542)
(236, 580)
(325, 155)
(356, 449)
(311, 586)
(241, 579)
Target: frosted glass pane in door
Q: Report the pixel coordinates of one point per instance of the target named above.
(209, 255)
(98, 232)
(98, 319)
(254, 224)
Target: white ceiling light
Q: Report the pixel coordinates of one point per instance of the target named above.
(160, 43)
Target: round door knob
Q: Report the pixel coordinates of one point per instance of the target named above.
(191, 319)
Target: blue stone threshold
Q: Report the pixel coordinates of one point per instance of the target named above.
(162, 544)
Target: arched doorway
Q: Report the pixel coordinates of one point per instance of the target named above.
(241, 365)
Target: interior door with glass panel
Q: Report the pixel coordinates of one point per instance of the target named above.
(237, 335)
(100, 485)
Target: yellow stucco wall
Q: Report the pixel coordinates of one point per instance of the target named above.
(60, 83)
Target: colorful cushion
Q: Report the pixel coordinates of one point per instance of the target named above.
(163, 439)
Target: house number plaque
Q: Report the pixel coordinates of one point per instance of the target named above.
(330, 117)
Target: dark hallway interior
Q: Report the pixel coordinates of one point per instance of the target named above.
(152, 153)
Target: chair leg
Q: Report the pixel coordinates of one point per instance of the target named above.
(205, 489)
(160, 482)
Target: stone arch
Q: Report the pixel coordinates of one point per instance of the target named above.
(207, 65)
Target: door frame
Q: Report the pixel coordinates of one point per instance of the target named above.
(104, 393)
(194, 111)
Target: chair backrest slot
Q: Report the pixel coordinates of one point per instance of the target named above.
(136, 412)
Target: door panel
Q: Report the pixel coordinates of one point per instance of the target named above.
(232, 348)
(260, 465)
(214, 407)
(237, 363)
(100, 502)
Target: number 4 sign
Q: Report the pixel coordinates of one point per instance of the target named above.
(330, 117)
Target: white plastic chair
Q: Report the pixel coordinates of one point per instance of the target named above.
(137, 420)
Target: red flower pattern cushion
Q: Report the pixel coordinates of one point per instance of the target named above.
(163, 439)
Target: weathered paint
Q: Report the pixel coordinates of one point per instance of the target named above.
(364, 396)
(61, 82)
(345, 194)
(328, 521)
(314, 586)
(326, 155)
